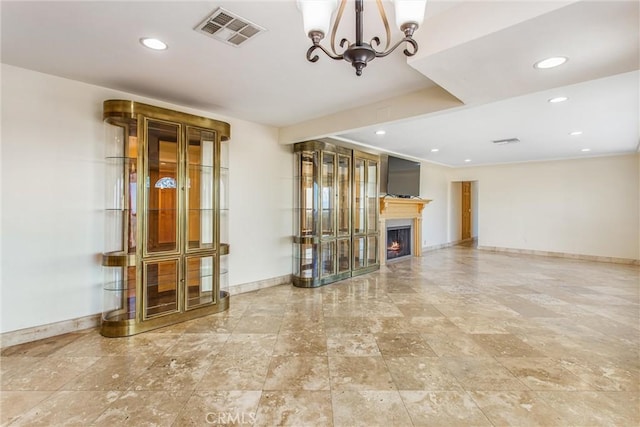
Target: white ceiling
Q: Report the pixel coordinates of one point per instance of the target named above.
(481, 53)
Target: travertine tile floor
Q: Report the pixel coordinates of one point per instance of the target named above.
(459, 337)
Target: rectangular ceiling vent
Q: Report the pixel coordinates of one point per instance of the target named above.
(228, 27)
(506, 141)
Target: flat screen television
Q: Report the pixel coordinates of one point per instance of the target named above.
(403, 177)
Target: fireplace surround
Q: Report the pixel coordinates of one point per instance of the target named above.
(396, 212)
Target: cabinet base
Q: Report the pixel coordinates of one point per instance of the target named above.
(301, 282)
(125, 328)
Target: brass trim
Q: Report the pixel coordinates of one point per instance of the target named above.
(307, 240)
(365, 270)
(300, 282)
(118, 259)
(314, 145)
(125, 328)
(224, 249)
(131, 110)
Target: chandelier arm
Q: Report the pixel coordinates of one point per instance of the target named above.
(385, 21)
(334, 30)
(407, 52)
(315, 58)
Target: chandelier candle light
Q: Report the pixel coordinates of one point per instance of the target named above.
(316, 15)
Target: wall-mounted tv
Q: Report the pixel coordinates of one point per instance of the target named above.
(403, 177)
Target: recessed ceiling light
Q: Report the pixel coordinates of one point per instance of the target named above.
(550, 62)
(585, 150)
(558, 99)
(154, 44)
(435, 150)
(381, 132)
(576, 133)
(467, 160)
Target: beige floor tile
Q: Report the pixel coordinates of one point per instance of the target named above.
(111, 373)
(172, 373)
(399, 344)
(301, 344)
(443, 409)
(475, 373)
(14, 404)
(49, 374)
(505, 345)
(197, 345)
(455, 345)
(359, 373)
(543, 373)
(517, 408)
(229, 408)
(591, 408)
(369, 408)
(294, 408)
(529, 340)
(44, 347)
(297, 373)
(421, 373)
(603, 375)
(258, 325)
(242, 344)
(68, 408)
(419, 310)
(143, 408)
(236, 372)
(352, 345)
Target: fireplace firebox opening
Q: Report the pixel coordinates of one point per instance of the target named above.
(398, 242)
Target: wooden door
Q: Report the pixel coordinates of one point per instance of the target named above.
(466, 210)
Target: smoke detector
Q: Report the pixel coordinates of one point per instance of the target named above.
(228, 27)
(506, 141)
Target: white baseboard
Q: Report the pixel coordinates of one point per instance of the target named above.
(260, 284)
(613, 260)
(447, 245)
(35, 333)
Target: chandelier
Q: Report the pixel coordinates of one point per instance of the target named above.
(316, 15)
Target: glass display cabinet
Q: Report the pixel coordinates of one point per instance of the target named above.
(166, 217)
(324, 244)
(365, 213)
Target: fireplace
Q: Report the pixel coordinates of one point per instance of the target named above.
(398, 242)
(400, 213)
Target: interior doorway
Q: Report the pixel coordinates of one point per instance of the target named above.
(463, 212)
(466, 210)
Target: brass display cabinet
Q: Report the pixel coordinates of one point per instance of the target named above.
(365, 213)
(166, 217)
(325, 209)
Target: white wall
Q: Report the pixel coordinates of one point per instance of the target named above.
(474, 209)
(434, 185)
(587, 206)
(52, 198)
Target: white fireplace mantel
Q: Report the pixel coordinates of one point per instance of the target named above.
(398, 208)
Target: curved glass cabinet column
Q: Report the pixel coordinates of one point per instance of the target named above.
(365, 213)
(165, 193)
(324, 241)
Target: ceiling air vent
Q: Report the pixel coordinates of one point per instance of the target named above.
(228, 27)
(506, 141)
